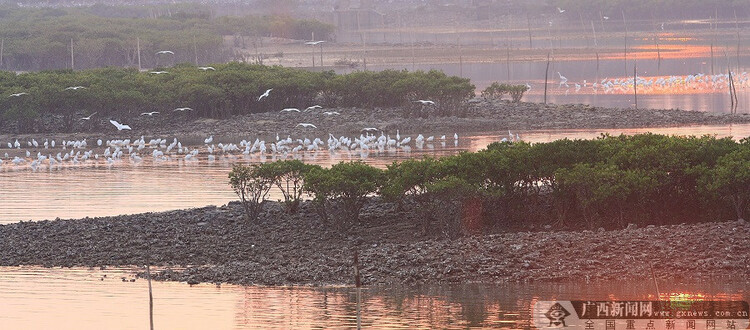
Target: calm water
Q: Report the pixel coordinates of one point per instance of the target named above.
(703, 98)
(125, 188)
(680, 48)
(41, 298)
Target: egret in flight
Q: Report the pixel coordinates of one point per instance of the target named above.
(425, 102)
(306, 125)
(89, 117)
(75, 88)
(158, 72)
(329, 113)
(268, 92)
(183, 109)
(119, 126)
(205, 68)
(313, 43)
(290, 110)
(149, 113)
(563, 80)
(165, 52)
(313, 108)
(18, 94)
(560, 10)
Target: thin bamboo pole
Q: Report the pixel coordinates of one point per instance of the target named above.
(546, 78)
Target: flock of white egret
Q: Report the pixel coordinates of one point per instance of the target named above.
(50, 154)
(699, 81)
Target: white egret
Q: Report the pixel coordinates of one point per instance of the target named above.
(313, 43)
(425, 102)
(329, 113)
(89, 117)
(165, 52)
(206, 68)
(158, 72)
(119, 126)
(75, 88)
(306, 125)
(149, 113)
(290, 110)
(18, 94)
(183, 109)
(264, 95)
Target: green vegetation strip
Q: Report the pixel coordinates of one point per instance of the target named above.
(227, 90)
(609, 182)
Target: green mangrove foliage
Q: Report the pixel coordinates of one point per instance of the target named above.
(339, 193)
(497, 90)
(608, 182)
(287, 176)
(230, 89)
(252, 186)
(40, 38)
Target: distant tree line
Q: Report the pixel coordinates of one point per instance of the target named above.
(39, 39)
(220, 91)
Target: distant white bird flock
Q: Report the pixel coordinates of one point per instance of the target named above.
(116, 151)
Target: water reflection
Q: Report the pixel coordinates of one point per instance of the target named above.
(70, 298)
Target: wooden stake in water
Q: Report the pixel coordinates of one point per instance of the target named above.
(312, 35)
(358, 284)
(594, 32)
(712, 59)
(546, 77)
(635, 83)
(72, 63)
(150, 297)
(138, 50)
(528, 23)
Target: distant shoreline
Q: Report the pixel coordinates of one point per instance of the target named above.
(217, 244)
(480, 116)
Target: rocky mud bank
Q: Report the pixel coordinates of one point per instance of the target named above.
(479, 116)
(217, 244)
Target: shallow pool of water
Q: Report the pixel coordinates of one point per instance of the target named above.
(54, 298)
